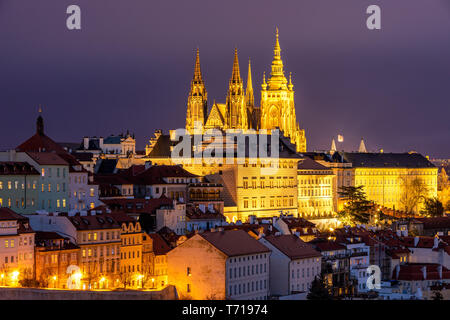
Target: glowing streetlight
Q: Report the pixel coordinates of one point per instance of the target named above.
(54, 278)
(15, 275)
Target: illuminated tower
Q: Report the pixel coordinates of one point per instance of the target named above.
(277, 102)
(197, 100)
(236, 110)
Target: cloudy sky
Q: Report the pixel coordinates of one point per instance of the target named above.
(131, 64)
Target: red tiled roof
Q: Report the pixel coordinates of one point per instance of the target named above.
(96, 222)
(8, 214)
(40, 143)
(327, 245)
(160, 247)
(292, 246)
(413, 271)
(48, 158)
(234, 242)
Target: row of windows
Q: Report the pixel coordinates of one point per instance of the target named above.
(285, 201)
(101, 250)
(82, 194)
(248, 287)
(48, 172)
(18, 185)
(131, 268)
(10, 243)
(310, 181)
(275, 164)
(21, 257)
(241, 271)
(277, 183)
(293, 273)
(248, 258)
(49, 187)
(100, 235)
(314, 192)
(314, 203)
(131, 254)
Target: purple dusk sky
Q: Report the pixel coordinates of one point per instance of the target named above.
(131, 64)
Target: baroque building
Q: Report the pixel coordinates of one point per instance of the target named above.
(277, 108)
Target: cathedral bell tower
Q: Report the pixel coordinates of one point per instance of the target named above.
(277, 102)
(197, 99)
(236, 110)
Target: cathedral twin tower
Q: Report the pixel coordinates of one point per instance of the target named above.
(239, 111)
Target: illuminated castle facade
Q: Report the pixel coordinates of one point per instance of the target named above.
(277, 108)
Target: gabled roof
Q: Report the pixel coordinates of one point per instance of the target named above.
(8, 214)
(234, 242)
(48, 158)
(96, 222)
(160, 247)
(310, 164)
(40, 143)
(292, 246)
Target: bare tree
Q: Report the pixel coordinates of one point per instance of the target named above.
(413, 193)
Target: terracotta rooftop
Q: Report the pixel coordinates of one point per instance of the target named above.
(48, 158)
(234, 242)
(293, 247)
(160, 247)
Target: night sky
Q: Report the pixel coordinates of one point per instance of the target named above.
(131, 64)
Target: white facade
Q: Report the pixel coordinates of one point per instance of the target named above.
(290, 275)
(82, 194)
(174, 219)
(247, 277)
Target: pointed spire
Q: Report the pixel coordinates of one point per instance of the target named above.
(197, 70)
(40, 123)
(333, 147)
(264, 84)
(236, 74)
(290, 86)
(277, 79)
(362, 146)
(277, 48)
(249, 92)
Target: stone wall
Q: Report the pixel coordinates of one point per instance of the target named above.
(168, 293)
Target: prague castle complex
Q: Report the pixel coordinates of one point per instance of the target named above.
(277, 108)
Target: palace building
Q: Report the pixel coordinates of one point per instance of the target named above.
(239, 111)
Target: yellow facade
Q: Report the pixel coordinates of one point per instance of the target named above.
(389, 186)
(248, 190)
(131, 254)
(315, 195)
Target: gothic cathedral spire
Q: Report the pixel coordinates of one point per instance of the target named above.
(249, 97)
(197, 100)
(236, 117)
(277, 102)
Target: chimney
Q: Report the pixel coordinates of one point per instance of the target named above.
(86, 143)
(100, 143)
(424, 271)
(436, 242)
(416, 241)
